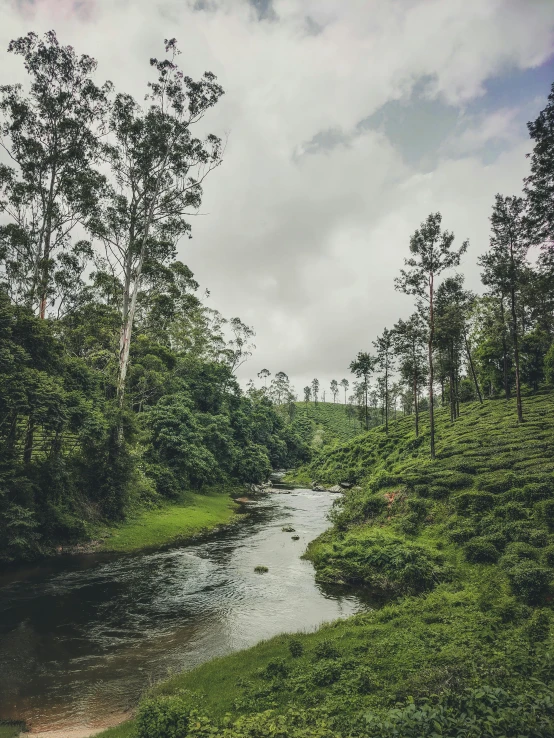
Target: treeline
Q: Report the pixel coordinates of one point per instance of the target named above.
(458, 346)
(468, 347)
(117, 383)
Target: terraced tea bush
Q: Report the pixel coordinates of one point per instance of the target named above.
(474, 502)
(538, 627)
(530, 581)
(481, 551)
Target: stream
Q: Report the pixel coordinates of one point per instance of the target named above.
(82, 637)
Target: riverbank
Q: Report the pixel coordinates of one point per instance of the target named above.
(192, 516)
(462, 548)
(71, 667)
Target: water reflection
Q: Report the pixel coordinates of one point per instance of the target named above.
(81, 638)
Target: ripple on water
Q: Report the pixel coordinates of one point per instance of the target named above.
(80, 639)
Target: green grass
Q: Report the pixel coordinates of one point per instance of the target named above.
(191, 516)
(10, 730)
(462, 551)
(330, 421)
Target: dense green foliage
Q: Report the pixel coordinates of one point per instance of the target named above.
(462, 548)
(117, 386)
(187, 426)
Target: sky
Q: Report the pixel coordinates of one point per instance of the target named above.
(347, 123)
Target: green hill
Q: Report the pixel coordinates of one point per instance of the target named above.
(461, 553)
(330, 422)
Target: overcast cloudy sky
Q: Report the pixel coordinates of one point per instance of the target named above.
(349, 121)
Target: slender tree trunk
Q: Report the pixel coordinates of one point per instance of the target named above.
(457, 395)
(516, 357)
(47, 234)
(504, 351)
(472, 368)
(366, 417)
(431, 336)
(387, 400)
(127, 325)
(415, 406)
(515, 338)
(29, 440)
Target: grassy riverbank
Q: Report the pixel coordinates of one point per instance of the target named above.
(462, 548)
(191, 516)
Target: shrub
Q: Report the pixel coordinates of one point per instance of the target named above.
(417, 507)
(549, 555)
(521, 550)
(163, 717)
(538, 627)
(438, 491)
(325, 673)
(545, 511)
(296, 648)
(511, 511)
(373, 506)
(276, 668)
(474, 502)
(537, 491)
(538, 537)
(383, 479)
(498, 481)
(480, 551)
(455, 479)
(325, 650)
(261, 569)
(529, 581)
(460, 530)
(287, 529)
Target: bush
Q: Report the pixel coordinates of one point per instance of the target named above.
(296, 648)
(474, 502)
(163, 717)
(520, 550)
(438, 491)
(373, 506)
(276, 668)
(538, 627)
(325, 650)
(455, 479)
(325, 673)
(538, 537)
(529, 581)
(549, 555)
(481, 551)
(545, 511)
(498, 481)
(511, 511)
(537, 491)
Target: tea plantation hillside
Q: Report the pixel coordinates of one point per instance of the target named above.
(330, 422)
(458, 558)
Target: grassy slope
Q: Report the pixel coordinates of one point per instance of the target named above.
(191, 516)
(462, 547)
(330, 422)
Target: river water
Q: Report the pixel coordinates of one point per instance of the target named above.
(82, 637)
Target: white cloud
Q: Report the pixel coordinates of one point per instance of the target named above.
(305, 247)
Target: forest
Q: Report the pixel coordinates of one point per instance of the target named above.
(119, 393)
(118, 381)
